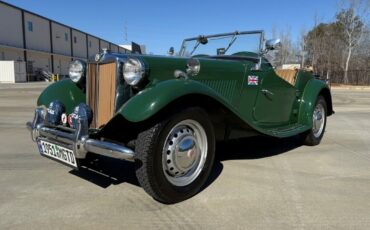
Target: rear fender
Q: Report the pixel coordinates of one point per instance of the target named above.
(308, 100)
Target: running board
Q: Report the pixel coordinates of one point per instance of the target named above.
(288, 130)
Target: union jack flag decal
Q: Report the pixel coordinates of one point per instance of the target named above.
(252, 80)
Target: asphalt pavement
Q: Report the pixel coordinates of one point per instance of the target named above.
(257, 183)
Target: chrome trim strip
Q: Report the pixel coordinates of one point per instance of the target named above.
(109, 149)
(227, 34)
(97, 77)
(182, 51)
(118, 67)
(87, 77)
(56, 135)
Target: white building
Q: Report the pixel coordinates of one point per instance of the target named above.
(43, 43)
(129, 47)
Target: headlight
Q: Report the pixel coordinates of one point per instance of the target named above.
(193, 67)
(76, 70)
(133, 71)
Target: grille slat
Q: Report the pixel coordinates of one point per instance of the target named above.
(226, 88)
(101, 91)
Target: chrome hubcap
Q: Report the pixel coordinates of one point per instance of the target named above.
(184, 152)
(318, 120)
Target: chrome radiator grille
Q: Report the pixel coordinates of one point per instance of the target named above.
(101, 92)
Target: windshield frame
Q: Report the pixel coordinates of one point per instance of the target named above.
(236, 33)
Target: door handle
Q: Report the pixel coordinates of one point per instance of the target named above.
(267, 92)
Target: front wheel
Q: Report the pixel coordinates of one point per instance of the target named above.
(314, 135)
(175, 156)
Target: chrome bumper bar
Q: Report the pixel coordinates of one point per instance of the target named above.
(77, 140)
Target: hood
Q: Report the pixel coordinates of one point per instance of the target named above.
(160, 68)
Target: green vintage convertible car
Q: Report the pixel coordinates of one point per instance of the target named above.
(166, 113)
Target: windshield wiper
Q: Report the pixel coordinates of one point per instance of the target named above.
(231, 43)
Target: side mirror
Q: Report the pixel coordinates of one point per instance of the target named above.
(171, 51)
(272, 44)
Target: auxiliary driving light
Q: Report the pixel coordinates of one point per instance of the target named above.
(81, 112)
(54, 112)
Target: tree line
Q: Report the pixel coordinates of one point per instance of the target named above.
(337, 50)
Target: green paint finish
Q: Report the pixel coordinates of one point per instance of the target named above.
(163, 68)
(65, 91)
(224, 87)
(278, 114)
(308, 100)
(274, 106)
(302, 78)
(284, 111)
(151, 100)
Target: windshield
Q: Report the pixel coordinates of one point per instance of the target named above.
(222, 44)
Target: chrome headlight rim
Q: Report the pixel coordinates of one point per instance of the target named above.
(193, 67)
(77, 70)
(133, 71)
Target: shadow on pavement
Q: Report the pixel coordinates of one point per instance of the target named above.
(255, 147)
(104, 171)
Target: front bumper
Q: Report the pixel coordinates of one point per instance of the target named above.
(76, 139)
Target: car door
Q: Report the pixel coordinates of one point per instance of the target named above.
(275, 99)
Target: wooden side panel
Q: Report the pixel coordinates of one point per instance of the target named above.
(106, 93)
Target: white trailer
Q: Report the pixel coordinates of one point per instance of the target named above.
(13, 71)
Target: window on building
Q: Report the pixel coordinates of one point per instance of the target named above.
(89, 43)
(30, 26)
(66, 37)
(2, 56)
(75, 39)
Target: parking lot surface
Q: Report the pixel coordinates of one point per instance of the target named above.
(257, 183)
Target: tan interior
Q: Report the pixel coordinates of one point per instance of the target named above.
(102, 92)
(288, 75)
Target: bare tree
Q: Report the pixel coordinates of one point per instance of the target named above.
(315, 42)
(322, 46)
(353, 28)
(288, 52)
(302, 46)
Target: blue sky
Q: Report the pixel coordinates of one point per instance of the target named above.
(160, 24)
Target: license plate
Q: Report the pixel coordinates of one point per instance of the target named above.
(58, 153)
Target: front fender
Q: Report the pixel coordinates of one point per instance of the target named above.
(308, 100)
(65, 91)
(151, 100)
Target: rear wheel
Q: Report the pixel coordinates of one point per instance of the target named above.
(314, 135)
(175, 156)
